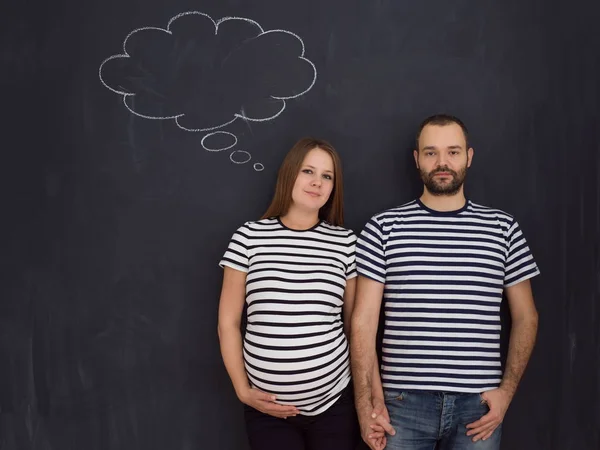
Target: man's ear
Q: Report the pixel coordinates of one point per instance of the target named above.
(416, 156)
(470, 153)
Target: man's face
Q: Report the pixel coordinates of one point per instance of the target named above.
(442, 158)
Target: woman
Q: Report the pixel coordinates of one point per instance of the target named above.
(295, 269)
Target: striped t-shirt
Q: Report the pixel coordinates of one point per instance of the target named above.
(444, 274)
(294, 345)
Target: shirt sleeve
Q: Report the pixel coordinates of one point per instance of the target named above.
(236, 255)
(351, 264)
(520, 264)
(370, 252)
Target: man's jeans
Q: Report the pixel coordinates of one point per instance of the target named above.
(436, 420)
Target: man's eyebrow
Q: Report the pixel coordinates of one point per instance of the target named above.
(433, 147)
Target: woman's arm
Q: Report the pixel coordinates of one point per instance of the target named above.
(231, 307)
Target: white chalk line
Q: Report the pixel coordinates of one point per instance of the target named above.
(265, 119)
(218, 149)
(240, 162)
(125, 97)
(189, 13)
(308, 89)
(196, 130)
(225, 19)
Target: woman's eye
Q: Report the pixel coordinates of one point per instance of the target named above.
(307, 171)
(327, 177)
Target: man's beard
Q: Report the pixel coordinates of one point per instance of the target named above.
(449, 188)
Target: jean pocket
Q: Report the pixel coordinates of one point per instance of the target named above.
(482, 400)
(393, 395)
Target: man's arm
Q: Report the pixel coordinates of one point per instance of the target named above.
(522, 340)
(365, 371)
(349, 296)
(522, 336)
(349, 301)
(365, 320)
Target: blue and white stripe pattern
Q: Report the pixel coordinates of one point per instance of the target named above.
(444, 275)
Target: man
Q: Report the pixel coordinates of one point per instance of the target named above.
(441, 264)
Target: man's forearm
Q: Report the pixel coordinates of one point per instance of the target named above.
(363, 363)
(522, 340)
(376, 386)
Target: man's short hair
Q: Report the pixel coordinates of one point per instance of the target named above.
(441, 120)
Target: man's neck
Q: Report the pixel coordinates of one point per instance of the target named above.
(443, 203)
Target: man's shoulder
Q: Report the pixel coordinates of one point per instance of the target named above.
(396, 212)
(491, 213)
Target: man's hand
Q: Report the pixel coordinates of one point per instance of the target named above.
(381, 418)
(374, 424)
(498, 401)
(265, 403)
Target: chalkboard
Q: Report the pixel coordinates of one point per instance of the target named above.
(139, 135)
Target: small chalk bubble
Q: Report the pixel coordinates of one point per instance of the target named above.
(240, 157)
(259, 167)
(222, 141)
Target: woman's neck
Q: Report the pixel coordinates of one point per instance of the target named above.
(300, 220)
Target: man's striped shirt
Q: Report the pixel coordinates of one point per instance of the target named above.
(444, 275)
(294, 345)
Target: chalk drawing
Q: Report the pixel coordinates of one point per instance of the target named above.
(187, 48)
(218, 133)
(236, 156)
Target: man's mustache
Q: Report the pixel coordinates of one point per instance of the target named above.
(442, 169)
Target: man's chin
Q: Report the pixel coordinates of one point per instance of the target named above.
(445, 190)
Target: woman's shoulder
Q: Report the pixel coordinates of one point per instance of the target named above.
(338, 230)
(259, 225)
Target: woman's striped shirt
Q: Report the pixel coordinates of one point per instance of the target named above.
(294, 345)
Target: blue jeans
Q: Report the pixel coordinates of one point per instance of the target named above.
(436, 420)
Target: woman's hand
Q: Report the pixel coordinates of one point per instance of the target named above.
(265, 403)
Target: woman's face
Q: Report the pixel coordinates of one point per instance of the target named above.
(314, 182)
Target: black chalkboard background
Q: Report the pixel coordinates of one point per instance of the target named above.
(112, 224)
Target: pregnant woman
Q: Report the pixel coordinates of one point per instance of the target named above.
(295, 270)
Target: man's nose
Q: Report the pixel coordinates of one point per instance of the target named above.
(441, 160)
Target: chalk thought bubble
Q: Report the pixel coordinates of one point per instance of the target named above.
(205, 74)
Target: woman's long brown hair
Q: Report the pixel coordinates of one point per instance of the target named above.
(333, 210)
